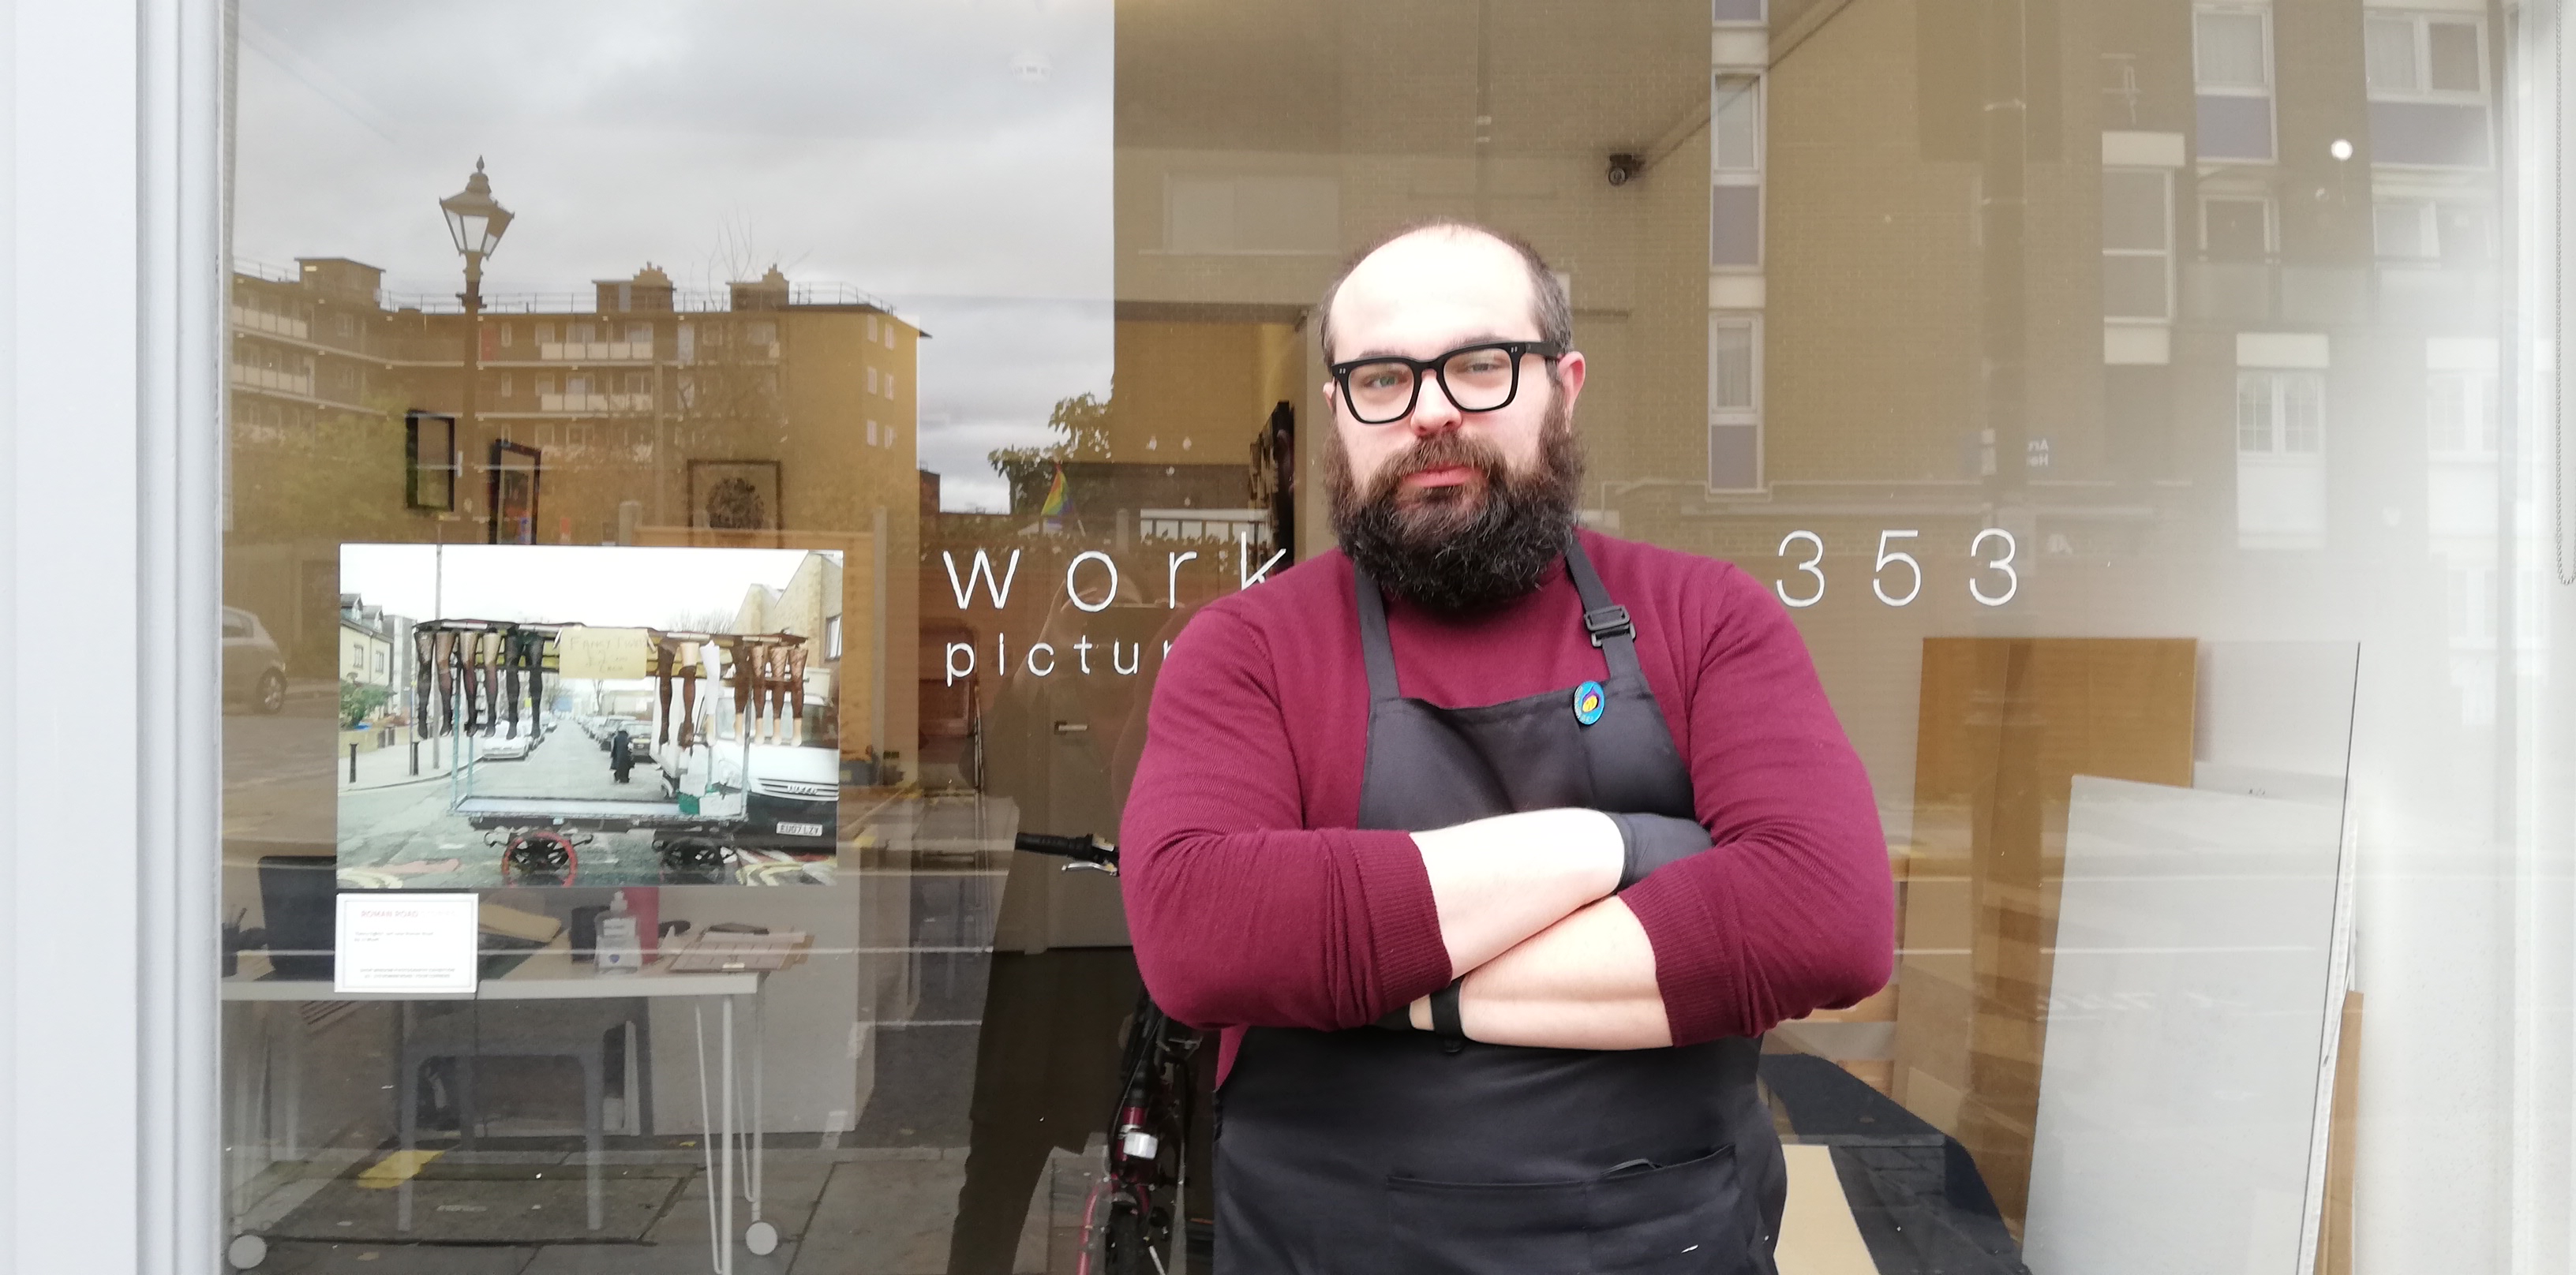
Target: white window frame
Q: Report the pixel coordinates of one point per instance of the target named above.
(2262, 13)
(1746, 175)
(1737, 417)
(2277, 383)
(2271, 217)
(2420, 24)
(2478, 406)
(2165, 182)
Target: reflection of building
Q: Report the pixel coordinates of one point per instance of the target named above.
(809, 606)
(797, 403)
(366, 649)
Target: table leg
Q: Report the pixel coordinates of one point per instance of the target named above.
(716, 1241)
(759, 1070)
(407, 1095)
(725, 1230)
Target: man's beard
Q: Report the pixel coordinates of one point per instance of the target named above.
(1468, 547)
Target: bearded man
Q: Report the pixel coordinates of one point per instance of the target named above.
(1492, 846)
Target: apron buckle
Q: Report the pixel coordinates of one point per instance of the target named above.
(1607, 623)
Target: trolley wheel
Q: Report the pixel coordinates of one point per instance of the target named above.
(761, 1238)
(697, 859)
(547, 857)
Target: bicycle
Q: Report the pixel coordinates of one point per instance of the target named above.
(1135, 1209)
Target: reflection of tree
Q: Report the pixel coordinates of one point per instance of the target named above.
(340, 479)
(701, 620)
(1081, 428)
(728, 387)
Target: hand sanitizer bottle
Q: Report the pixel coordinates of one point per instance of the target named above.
(620, 951)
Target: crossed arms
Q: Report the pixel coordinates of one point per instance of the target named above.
(1243, 915)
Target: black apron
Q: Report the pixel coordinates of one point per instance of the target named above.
(1403, 1151)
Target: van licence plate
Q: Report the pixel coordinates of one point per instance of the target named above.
(800, 830)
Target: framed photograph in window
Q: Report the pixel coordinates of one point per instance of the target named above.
(733, 496)
(513, 493)
(429, 461)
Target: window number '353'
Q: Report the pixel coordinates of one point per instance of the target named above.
(1989, 563)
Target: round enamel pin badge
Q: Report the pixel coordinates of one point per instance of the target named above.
(1589, 700)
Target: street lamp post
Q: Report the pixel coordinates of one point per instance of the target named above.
(476, 221)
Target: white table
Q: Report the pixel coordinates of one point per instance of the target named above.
(549, 973)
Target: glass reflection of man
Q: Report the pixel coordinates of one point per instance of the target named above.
(1492, 847)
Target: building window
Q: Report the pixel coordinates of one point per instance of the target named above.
(2237, 228)
(1734, 403)
(2459, 414)
(640, 334)
(546, 386)
(2232, 73)
(1731, 11)
(2137, 244)
(2428, 89)
(2280, 459)
(635, 383)
(889, 385)
(1735, 172)
(576, 387)
(2423, 55)
(507, 334)
(872, 433)
(872, 380)
(509, 386)
(2431, 230)
(831, 637)
(584, 334)
(2280, 413)
(872, 327)
(545, 334)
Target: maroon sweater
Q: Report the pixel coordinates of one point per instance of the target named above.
(1254, 902)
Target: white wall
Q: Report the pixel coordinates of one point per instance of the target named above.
(106, 768)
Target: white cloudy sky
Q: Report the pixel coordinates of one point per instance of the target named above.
(951, 155)
(615, 586)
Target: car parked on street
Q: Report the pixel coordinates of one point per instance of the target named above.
(254, 671)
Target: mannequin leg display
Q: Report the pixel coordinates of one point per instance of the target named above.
(536, 651)
(443, 654)
(510, 679)
(690, 655)
(663, 651)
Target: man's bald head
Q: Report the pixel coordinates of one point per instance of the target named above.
(1391, 271)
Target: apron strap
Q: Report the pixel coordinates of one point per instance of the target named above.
(1375, 649)
(1605, 620)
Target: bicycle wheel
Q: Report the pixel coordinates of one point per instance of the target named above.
(1118, 1239)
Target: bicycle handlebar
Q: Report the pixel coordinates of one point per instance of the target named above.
(1085, 848)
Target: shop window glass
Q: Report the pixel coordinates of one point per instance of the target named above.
(2056, 539)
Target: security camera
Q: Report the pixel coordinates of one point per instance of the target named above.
(1624, 166)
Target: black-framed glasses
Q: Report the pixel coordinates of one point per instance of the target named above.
(1486, 377)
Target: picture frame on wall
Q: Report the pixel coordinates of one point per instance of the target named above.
(430, 461)
(736, 499)
(513, 493)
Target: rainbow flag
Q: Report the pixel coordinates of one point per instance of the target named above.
(1057, 504)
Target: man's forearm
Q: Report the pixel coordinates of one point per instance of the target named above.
(1499, 881)
(1586, 982)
